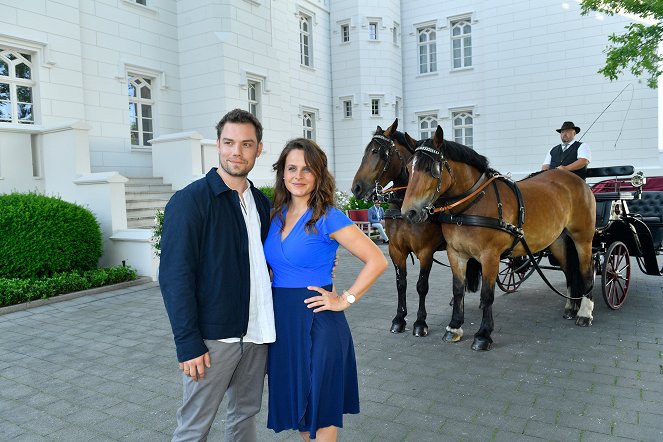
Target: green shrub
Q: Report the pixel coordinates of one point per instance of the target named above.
(268, 191)
(156, 232)
(15, 291)
(41, 236)
(356, 204)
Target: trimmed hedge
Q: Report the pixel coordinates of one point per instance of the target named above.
(16, 291)
(41, 236)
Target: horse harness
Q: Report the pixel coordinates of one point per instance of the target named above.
(474, 195)
(386, 151)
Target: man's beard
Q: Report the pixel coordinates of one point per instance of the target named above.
(236, 173)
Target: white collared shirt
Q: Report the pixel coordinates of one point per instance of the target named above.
(261, 328)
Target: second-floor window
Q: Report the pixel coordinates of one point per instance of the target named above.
(375, 107)
(427, 49)
(373, 31)
(427, 126)
(463, 127)
(141, 105)
(461, 44)
(345, 33)
(16, 87)
(305, 40)
(347, 108)
(254, 97)
(308, 125)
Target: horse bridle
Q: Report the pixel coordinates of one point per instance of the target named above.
(439, 163)
(386, 151)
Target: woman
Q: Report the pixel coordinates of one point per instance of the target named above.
(311, 366)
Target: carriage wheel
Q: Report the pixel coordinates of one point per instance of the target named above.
(616, 274)
(514, 271)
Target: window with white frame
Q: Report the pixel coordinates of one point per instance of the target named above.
(395, 31)
(142, 2)
(373, 30)
(305, 37)
(347, 108)
(375, 107)
(461, 43)
(427, 126)
(427, 38)
(308, 124)
(345, 33)
(254, 89)
(16, 87)
(397, 108)
(141, 106)
(463, 127)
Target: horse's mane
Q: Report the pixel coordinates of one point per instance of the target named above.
(533, 174)
(400, 139)
(455, 152)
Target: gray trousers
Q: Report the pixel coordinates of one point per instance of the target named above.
(242, 375)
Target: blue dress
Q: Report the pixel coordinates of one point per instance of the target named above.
(311, 367)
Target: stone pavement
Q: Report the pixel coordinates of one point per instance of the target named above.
(102, 368)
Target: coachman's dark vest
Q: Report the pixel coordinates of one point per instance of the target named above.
(559, 158)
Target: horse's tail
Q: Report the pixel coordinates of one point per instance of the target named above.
(576, 282)
(472, 275)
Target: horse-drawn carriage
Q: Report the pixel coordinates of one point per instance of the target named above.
(452, 200)
(628, 224)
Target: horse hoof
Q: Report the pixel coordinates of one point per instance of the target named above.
(569, 314)
(451, 337)
(420, 331)
(482, 344)
(397, 327)
(583, 322)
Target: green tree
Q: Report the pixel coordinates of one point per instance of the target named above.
(638, 46)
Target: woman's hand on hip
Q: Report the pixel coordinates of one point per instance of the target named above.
(326, 300)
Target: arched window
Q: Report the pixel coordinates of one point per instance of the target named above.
(427, 50)
(461, 44)
(427, 126)
(16, 87)
(463, 128)
(141, 104)
(308, 123)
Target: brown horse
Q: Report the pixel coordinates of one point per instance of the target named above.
(385, 160)
(553, 209)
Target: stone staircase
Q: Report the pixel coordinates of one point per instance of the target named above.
(144, 196)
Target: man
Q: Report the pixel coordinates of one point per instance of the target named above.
(376, 218)
(216, 288)
(569, 155)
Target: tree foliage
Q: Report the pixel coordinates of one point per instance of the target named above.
(638, 46)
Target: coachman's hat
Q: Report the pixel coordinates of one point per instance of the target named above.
(568, 125)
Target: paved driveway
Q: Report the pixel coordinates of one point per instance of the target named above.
(102, 367)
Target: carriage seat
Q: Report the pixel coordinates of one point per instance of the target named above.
(649, 208)
(594, 172)
(605, 205)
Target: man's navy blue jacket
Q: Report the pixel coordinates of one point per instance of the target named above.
(204, 272)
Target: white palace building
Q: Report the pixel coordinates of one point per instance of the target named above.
(99, 97)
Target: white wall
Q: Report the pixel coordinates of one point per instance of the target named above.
(534, 66)
(201, 53)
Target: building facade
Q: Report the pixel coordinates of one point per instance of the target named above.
(125, 77)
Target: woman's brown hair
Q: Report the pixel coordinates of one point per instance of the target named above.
(322, 197)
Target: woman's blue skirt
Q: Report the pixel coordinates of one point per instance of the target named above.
(311, 367)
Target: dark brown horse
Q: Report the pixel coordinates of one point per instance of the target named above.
(554, 209)
(385, 160)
